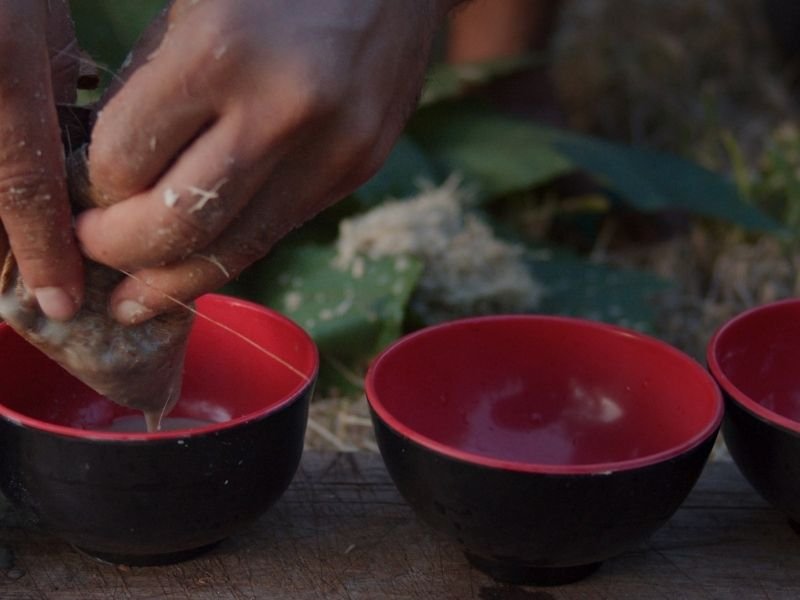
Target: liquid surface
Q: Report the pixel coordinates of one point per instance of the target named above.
(544, 391)
(136, 424)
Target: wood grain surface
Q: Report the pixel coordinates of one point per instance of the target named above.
(343, 531)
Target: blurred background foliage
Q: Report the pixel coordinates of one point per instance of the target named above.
(587, 212)
(108, 30)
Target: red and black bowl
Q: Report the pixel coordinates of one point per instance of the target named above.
(755, 358)
(543, 445)
(154, 498)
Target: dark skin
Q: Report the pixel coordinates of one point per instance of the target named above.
(237, 121)
(36, 40)
(491, 29)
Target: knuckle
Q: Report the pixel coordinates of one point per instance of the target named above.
(116, 178)
(190, 225)
(34, 256)
(220, 39)
(35, 221)
(324, 95)
(24, 190)
(184, 232)
(42, 251)
(220, 51)
(314, 94)
(226, 49)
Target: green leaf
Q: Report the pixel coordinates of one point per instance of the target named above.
(351, 314)
(107, 30)
(508, 155)
(407, 164)
(503, 155)
(575, 287)
(447, 81)
(652, 181)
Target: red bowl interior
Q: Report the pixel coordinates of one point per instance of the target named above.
(755, 357)
(227, 379)
(547, 394)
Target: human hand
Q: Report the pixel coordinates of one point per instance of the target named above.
(38, 67)
(239, 120)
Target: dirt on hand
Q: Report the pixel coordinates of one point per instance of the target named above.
(138, 366)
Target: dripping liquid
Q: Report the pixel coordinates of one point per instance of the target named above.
(153, 423)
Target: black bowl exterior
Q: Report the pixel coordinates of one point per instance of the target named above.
(140, 501)
(767, 454)
(519, 525)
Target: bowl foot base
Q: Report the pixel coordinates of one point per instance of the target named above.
(521, 573)
(145, 560)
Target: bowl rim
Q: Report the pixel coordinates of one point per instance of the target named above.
(600, 468)
(288, 399)
(733, 392)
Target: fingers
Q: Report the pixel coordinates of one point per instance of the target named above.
(289, 197)
(33, 200)
(271, 214)
(151, 291)
(147, 122)
(225, 137)
(187, 72)
(188, 208)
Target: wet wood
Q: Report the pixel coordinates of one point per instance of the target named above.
(343, 531)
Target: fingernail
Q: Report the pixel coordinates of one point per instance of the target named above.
(55, 303)
(131, 312)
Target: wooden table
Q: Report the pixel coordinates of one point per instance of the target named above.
(343, 531)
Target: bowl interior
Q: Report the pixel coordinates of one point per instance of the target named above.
(755, 359)
(536, 391)
(226, 379)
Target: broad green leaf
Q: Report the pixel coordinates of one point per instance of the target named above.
(506, 155)
(502, 154)
(651, 181)
(406, 166)
(446, 82)
(107, 30)
(575, 287)
(351, 314)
